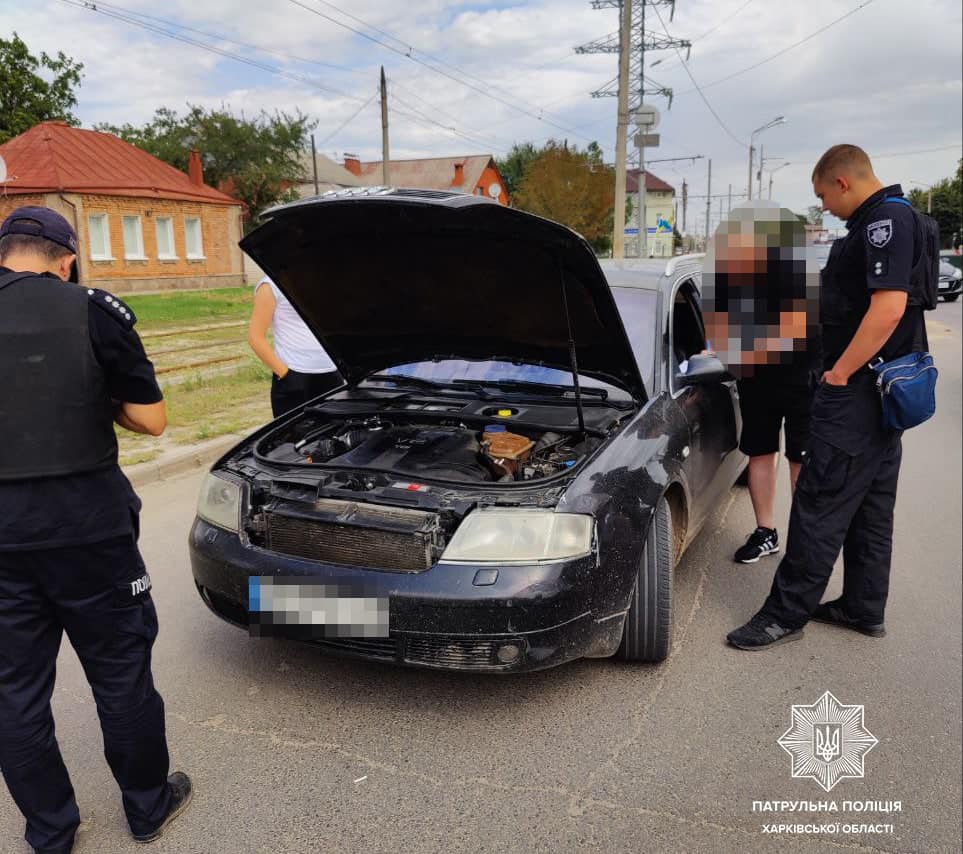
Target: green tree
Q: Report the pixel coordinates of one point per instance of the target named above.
(814, 215)
(572, 187)
(27, 97)
(255, 160)
(514, 165)
(947, 205)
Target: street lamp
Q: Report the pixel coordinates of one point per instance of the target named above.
(779, 120)
(773, 172)
(929, 194)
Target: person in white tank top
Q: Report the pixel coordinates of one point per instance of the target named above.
(301, 368)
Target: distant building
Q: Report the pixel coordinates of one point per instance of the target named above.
(659, 215)
(142, 224)
(475, 174)
(330, 176)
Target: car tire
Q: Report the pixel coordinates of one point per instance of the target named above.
(647, 632)
(951, 297)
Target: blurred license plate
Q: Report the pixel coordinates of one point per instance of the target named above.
(295, 608)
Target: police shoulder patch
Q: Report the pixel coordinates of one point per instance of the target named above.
(879, 233)
(119, 310)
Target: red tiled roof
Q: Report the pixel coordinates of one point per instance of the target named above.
(53, 157)
(429, 173)
(652, 183)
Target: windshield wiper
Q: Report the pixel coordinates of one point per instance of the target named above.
(522, 385)
(427, 385)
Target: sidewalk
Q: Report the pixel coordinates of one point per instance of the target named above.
(179, 459)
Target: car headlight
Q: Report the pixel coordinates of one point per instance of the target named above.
(958, 274)
(220, 502)
(520, 535)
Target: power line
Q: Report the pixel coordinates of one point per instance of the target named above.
(95, 7)
(779, 53)
(409, 55)
(705, 100)
(348, 121)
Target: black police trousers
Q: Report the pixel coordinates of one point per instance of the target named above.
(844, 499)
(99, 595)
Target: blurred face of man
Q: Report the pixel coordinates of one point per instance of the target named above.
(836, 196)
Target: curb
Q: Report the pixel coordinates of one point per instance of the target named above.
(198, 456)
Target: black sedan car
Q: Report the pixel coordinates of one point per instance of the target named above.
(523, 447)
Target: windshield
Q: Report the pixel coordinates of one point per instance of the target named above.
(637, 308)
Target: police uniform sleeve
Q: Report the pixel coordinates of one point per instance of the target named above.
(118, 349)
(889, 237)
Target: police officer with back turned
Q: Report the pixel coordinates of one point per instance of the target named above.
(870, 307)
(71, 365)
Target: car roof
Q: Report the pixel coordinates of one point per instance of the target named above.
(648, 274)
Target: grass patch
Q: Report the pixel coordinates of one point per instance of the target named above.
(190, 308)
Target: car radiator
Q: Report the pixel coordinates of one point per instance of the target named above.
(354, 534)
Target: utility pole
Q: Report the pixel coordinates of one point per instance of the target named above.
(762, 160)
(631, 42)
(752, 150)
(314, 166)
(622, 130)
(729, 208)
(385, 169)
(708, 201)
(685, 202)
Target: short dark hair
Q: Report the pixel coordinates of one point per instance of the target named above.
(840, 159)
(28, 244)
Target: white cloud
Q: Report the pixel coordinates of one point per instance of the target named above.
(888, 77)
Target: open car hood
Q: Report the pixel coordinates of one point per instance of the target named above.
(386, 277)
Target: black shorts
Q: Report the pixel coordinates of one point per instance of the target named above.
(297, 388)
(764, 406)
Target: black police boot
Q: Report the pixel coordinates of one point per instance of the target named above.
(761, 542)
(63, 849)
(761, 632)
(833, 613)
(181, 793)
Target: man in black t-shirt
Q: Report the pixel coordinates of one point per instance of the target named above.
(71, 365)
(759, 293)
(869, 308)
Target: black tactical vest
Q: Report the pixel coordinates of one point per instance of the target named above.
(56, 416)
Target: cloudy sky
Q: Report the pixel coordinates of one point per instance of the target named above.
(474, 77)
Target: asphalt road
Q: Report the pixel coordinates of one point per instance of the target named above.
(293, 751)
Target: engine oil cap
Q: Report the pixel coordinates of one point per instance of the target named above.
(504, 413)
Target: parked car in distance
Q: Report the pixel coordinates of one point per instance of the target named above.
(525, 444)
(951, 276)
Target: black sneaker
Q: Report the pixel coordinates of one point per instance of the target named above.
(762, 632)
(832, 612)
(181, 793)
(761, 542)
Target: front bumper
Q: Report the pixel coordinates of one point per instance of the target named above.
(438, 618)
(949, 287)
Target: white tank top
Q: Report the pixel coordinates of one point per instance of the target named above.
(294, 343)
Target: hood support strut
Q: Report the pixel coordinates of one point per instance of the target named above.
(571, 347)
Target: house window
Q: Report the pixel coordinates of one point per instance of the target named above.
(165, 237)
(133, 239)
(99, 235)
(193, 238)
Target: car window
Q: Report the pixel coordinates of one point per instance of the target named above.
(688, 335)
(446, 370)
(637, 308)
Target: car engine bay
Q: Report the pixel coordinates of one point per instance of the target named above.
(445, 449)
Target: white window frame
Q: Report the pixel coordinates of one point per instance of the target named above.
(104, 219)
(199, 255)
(169, 222)
(137, 253)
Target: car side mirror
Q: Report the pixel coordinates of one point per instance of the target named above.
(701, 369)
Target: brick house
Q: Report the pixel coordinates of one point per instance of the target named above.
(476, 174)
(142, 224)
(659, 215)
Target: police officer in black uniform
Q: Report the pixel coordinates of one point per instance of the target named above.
(71, 365)
(846, 492)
